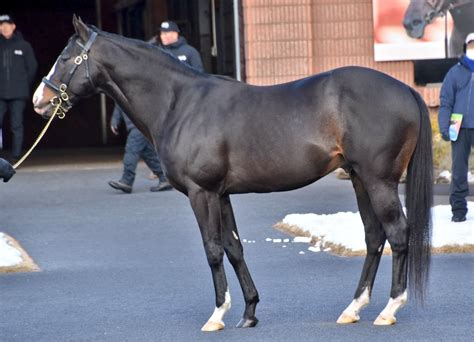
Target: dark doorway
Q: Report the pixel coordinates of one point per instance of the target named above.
(47, 25)
(131, 20)
(208, 25)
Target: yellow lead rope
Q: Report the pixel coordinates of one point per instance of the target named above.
(60, 115)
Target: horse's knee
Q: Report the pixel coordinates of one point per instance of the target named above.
(214, 254)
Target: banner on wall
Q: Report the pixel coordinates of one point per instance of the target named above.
(421, 29)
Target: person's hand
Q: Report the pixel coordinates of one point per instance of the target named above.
(6, 170)
(445, 136)
(114, 129)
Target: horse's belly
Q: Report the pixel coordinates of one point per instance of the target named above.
(288, 174)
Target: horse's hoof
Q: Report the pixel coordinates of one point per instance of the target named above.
(247, 322)
(213, 326)
(385, 320)
(347, 318)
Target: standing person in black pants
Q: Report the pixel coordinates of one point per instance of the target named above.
(17, 69)
(137, 147)
(457, 96)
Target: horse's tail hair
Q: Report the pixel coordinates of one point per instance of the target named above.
(418, 201)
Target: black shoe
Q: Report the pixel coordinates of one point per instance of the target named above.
(458, 218)
(162, 186)
(121, 186)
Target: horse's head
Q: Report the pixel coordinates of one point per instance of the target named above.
(71, 76)
(421, 13)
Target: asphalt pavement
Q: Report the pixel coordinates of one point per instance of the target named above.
(119, 267)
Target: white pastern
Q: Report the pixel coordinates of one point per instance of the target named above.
(351, 313)
(394, 305)
(218, 315)
(38, 95)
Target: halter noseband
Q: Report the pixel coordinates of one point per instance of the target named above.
(437, 10)
(62, 96)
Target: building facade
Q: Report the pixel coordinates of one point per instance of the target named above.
(290, 39)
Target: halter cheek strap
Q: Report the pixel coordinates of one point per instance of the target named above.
(62, 96)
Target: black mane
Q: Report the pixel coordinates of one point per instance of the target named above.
(169, 58)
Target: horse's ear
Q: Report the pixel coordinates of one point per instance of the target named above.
(81, 29)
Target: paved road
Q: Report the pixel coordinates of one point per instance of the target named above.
(119, 267)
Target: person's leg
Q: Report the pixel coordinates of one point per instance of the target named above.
(150, 156)
(131, 157)
(3, 110)
(459, 185)
(16, 114)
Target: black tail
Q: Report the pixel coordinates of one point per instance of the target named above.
(419, 200)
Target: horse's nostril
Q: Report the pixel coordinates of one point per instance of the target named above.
(416, 22)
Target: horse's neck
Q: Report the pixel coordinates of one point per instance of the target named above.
(143, 87)
(462, 21)
(456, 3)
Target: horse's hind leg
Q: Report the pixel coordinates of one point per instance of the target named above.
(387, 206)
(375, 240)
(207, 209)
(235, 254)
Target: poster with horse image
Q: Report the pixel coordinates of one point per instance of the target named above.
(421, 29)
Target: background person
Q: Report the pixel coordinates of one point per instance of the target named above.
(457, 96)
(170, 40)
(136, 147)
(18, 67)
(178, 46)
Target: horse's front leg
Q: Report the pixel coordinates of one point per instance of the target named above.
(235, 254)
(207, 209)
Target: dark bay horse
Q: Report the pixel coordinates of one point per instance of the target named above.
(421, 13)
(217, 137)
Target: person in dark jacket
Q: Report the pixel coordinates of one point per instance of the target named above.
(178, 46)
(136, 147)
(17, 70)
(6, 170)
(457, 96)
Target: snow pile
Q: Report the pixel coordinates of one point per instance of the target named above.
(9, 256)
(346, 228)
(447, 233)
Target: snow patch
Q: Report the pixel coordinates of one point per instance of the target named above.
(9, 255)
(346, 228)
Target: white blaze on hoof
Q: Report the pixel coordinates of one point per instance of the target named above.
(387, 316)
(351, 313)
(216, 322)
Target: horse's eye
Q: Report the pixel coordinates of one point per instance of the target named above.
(65, 57)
